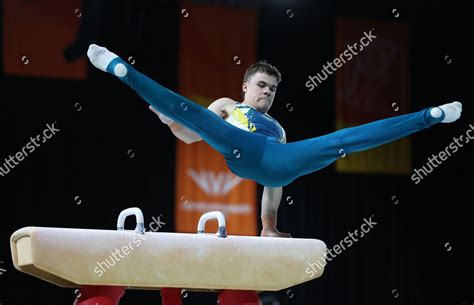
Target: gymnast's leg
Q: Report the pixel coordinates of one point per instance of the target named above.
(225, 138)
(304, 157)
(171, 104)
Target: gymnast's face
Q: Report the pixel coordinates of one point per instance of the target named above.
(260, 91)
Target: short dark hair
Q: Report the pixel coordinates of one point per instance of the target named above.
(263, 67)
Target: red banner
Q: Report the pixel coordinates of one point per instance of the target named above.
(35, 35)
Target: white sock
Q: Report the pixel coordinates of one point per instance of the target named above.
(100, 57)
(452, 112)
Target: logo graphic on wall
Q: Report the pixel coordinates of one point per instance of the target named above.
(214, 184)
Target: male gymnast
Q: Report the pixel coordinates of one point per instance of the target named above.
(253, 143)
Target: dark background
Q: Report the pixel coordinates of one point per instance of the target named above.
(403, 260)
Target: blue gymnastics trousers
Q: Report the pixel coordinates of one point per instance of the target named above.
(260, 158)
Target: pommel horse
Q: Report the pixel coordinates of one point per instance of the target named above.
(236, 267)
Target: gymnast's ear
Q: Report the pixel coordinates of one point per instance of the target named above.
(244, 87)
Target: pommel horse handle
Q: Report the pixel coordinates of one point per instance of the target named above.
(140, 228)
(221, 232)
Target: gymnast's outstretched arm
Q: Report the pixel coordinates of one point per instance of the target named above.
(181, 132)
(271, 199)
(220, 107)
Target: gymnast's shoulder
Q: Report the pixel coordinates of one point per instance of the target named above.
(222, 106)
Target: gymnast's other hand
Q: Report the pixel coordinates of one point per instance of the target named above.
(166, 120)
